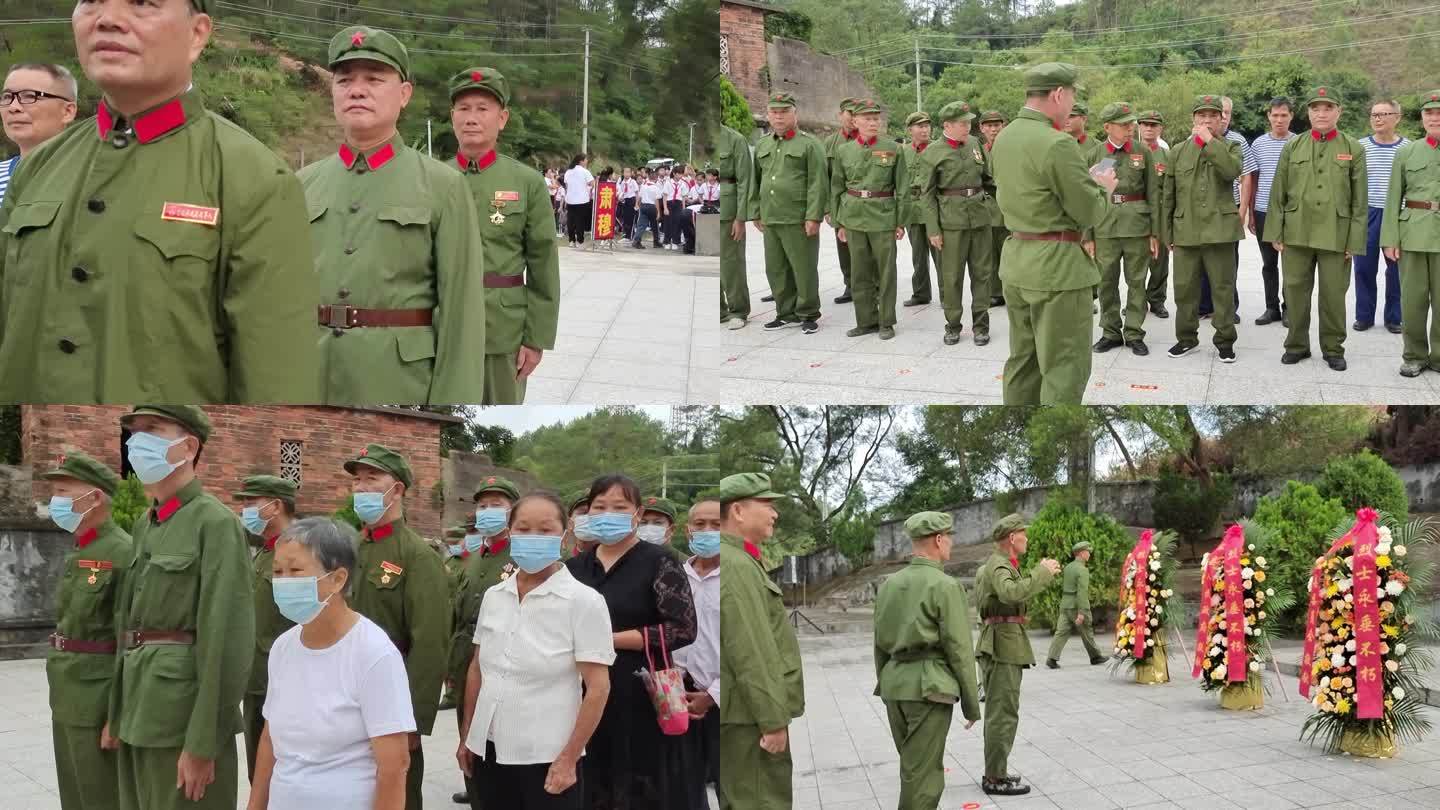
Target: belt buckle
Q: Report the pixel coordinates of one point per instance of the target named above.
(864, 194)
(57, 641)
(1115, 199)
(132, 639)
(342, 321)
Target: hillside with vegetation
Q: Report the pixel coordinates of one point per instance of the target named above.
(653, 69)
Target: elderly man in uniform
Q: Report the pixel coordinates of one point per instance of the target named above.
(1151, 124)
(788, 201)
(991, 122)
(187, 618)
(1411, 228)
(397, 582)
(38, 102)
(1076, 123)
(845, 134)
(1047, 199)
(737, 172)
(155, 228)
(759, 655)
(1075, 609)
(867, 184)
(924, 661)
(921, 251)
(522, 263)
(1317, 220)
(267, 510)
(1001, 596)
(955, 187)
(397, 246)
(81, 665)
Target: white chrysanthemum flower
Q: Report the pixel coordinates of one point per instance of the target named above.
(1269, 591)
(1252, 546)
(1214, 651)
(1349, 597)
(1350, 645)
(1399, 551)
(1154, 622)
(1382, 548)
(1155, 566)
(1384, 533)
(1247, 572)
(1260, 561)
(1159, 608)
(1400, 648)
(1337, 660)
(1398, 693)
(1219, 638)
(1260, 615)
(1394, 588)
(1219, 673)
(1392, 665)
(1254, 666)
(1325, 682)
(1344, 584)
(1130, 613)
(1149, 642)
(1352, 660)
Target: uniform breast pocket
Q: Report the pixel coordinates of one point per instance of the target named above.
(404, 234)
(171, 583)
(27, 232)
(384, 580)
(415, 347)
(187, 251)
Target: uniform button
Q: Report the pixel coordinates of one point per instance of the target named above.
(96, 206)
(349, 250)
(343, 293)
(67, 346)
(119, 141)
(80, 274)
(354, 208)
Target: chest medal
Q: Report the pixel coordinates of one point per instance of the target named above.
(1137, 161)
(979, 158)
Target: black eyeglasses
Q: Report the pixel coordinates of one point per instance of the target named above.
(26, 97)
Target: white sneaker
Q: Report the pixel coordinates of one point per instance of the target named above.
(735, 323)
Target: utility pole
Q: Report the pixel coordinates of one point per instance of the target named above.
(664, 477)
(428, 150)
(690, 159)
(917, 73)
(585, 103)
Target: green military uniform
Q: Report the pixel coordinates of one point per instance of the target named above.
(737, 172)
(455, 560)
(790, 190)
(832, 142)
(397, 241)
(660, 506)
(396, 579)
(1075, 599)
(1413, 227)
(168, 232)
(867, 187)
(81, 662)
(998, 232)
(269, 624)
(955, 187)
(924, 664)
(186, 610)
(759, 665)
(1046, 194)
(522, 263)
(1155, 287)
(1123, 236)
(1318, 210)
(1200, 221)
(1002, 595)
(921, 251)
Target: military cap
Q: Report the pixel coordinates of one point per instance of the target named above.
(461, 530)
(1080, 108)
(741, 486)
(364, 42)
(487, 79)
(1083, 545)
(189, 417)
(494, 483)
(1323, 93)
(84, 468)
(383, 459)
(848, 103)
(925, 524)
(917, 118)
(1431, 100)
(992, 115)
(867, 105)
(1050, 75)
(956, 111)
(267, 486)
(1005, 526)
(1150, 117)
(654, 504)
(1206, 102)
(203, 6)
(1117, 112)
(782, 99)
(576, 499)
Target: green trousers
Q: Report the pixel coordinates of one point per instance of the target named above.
(1064, 627)
(1159, 275)
(998, 235)
(1131, 256)
(971, 247)
(1419, 304)
(1049, 360)
(86, 775)
(147, 780)
(1002, 704)
(792, 265)
(1216, 262)
(1298, 267)
(921, 254)
(919, 728)
(752, 778)
(501, 386)
(254, 727)
(843, 251)
(872, 276)
(734, 288)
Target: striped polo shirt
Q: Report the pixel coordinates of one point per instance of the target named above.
(1247, 159)
(7, 168)
(1266, 150)
(1379, 157)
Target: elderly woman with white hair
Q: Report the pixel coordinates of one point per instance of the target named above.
(338, 713)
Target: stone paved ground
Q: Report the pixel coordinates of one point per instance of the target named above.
(786, 366)
(1088, 739)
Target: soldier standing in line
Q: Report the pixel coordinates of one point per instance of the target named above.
(921, 251)
(1075, 126)
(736, 174)
(867, 188)
(1151, 125)
(1411, 226)
(845, 134)
(991, 122)
(1075, 609)
(788, 202)
(955, 186)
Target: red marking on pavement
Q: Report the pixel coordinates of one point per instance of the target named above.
(1099, 385)
(816, 365)
(904, 371)
(1145, 387)
(732, 359)
(971, 805)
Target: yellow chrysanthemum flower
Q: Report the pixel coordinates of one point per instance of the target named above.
(1383, 561)
(1342, 705)
(1390, 630)
(1259, 576)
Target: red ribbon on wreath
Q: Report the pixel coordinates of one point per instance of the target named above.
(1139, 557)
(1236, 655)
(1369, 692)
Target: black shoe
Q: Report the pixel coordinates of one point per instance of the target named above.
(1360, 327)
(1052, 663)
(1105, 344)
(809, 327)
(1267, 317)
(1227, 354)
(952, 337)
(461, 798)
(1291, 358)
(1013, 779)
(1182, 349)
(1004, 787)
(769, 299)
(915, 301)
(1204, 315)
(778, 323)
(844, 297)
(637, 246)
(1095, 661)
(982, 338)
(861, 331)
(1159, 311)
(1138, 347)
(1335, 363)
(1411, 369)
(1393, 328)
(997, 300)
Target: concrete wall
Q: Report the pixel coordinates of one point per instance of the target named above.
(707, 234)
(819, 82)
(32, 554)
(463, 473)
(1422, 484)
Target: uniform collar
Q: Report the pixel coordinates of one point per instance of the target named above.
(1154, 147)
(1014, 562)
(782, 136)
(926, 561)
(1327, 137)
(1200, 143)
(1084, 136)
(377, 533)
(86, 537)
(1035, 115)
(152, 124)
(270, 541)
(739, 542)
(1111, 148)
(753, 550)
(864, 142)
(164, 511)
(485, 161)
(1434, 144)
(496, 546)
(377, 157)
(954, 144)
(920, 149)
(850, 135)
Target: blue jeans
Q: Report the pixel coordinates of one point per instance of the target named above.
(646, 221)
(1367, 267)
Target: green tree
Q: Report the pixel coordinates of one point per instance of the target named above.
(1057, 527)
(1364, 479)
(567, 457)
(129, 503)
(1183, 505)
(1299, 519)
(1271, 440)
(734, 109)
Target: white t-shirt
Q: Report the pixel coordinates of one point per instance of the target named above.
(577, 185)
(528, 654)
(649, 192)
(323, 707)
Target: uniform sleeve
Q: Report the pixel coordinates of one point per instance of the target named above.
(954, 610)
(1152, 190)
(1082, 199)
(902, 189)
(835, 188)
(269, 289)
(676, 605)
(459, 375)
(753, 190)
(1013, 588)
(1357, 240)
(1167, 203)
(427, 621)
(818, 183)
(929, 200)
(744, 178)
(542, 271)
(1275, 216)
(124, 596)
(749, 655)
(1082, 590)
(1390, 220)
(224, 634)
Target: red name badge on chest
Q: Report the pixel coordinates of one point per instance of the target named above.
(390, 569)
(1344, 157)
(198, 214)
(507, 196)
(1137, 161)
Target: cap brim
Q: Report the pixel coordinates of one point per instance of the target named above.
(767, 495)
(460, 91)
(372, 56)
(53, 474)
(356, 462)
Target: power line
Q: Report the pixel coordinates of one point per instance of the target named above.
(437, 17)
(334, 25)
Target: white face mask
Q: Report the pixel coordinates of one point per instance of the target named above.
(652, 534)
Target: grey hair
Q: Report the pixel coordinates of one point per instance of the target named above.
(334, 545)
(56, 72)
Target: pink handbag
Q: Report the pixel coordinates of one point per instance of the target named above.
(667, 690)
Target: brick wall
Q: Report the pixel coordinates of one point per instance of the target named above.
(743, 28)
(246, 441)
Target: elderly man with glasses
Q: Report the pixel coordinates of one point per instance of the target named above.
(1381, 146)
(37, 103)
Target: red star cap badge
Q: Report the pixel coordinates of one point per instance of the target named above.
(1434, 97)
(477, 76)
(364, 450)
(357, 39)
(1320, 92)
(652, 501)
(491, 481)
(1209, 99)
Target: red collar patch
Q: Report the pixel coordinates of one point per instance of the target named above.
(1434, 144)
(1084, 136)
(864, 142)
(954, 144)
(921, 148)
(373, 162)
(1327, 137)
(1110, 148)
(787, 135)
(165, 510)
(148, 126)
(752, 549)
(482, 164)
(1154, 147)
(85, 538)
(379, 533)
(1015, 563)
(1199, 142)
(270, 541)
(497, 547)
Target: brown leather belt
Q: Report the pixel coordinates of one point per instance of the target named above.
(866, 195)
(1005, 619)
(139, 638)
(499, 280)
(1048, 236)
(1428, 206)
(965, 191)
(75, 645)
(1124, 198)
(339, 316)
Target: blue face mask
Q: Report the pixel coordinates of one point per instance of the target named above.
(370, 506)
(298, 598)
(62, 511)
(474, 542)
(456, 551)
(705, 544)
(581, 528)
(146, 453)
(611, 527)
(250, 517)
(492, 520)
(532, 552)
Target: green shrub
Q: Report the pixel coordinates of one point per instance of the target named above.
(1364, 479)
(129, 503)
(1188, 508)
(1299, 520)
(1057, 528)
(734, 109)
(345, 513)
